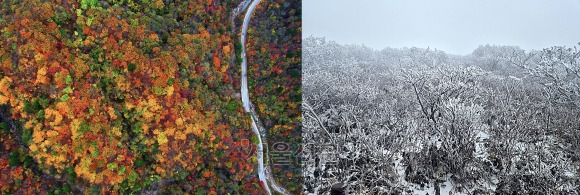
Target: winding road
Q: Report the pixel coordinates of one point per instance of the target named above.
(264, 172)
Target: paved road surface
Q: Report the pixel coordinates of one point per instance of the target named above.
(264, 172)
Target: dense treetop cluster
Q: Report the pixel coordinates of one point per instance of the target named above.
(122, 95)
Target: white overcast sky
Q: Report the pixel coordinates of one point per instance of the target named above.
(454, 26)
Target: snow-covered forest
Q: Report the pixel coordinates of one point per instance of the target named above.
(415, 120)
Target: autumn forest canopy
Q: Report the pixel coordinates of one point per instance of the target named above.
(122, 95)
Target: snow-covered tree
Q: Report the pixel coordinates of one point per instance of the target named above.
(393, 120)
